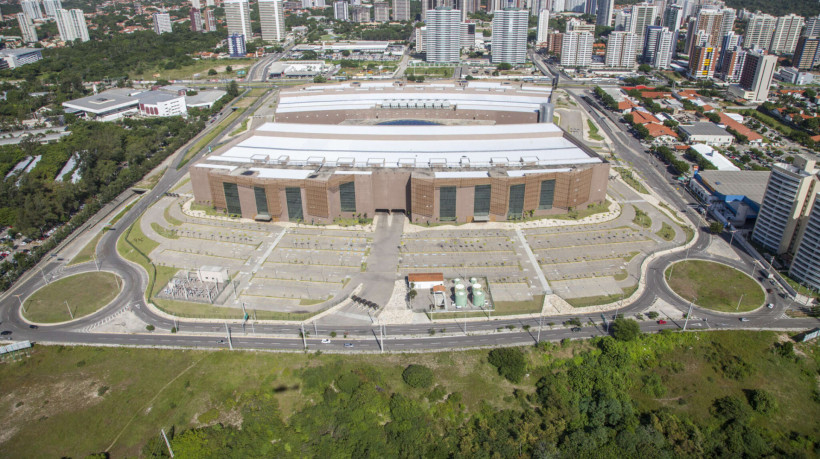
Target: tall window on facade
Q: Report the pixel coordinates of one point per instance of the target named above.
(516, 205)
(447, 203)
(481, 201)
(347, 196)
(261, 200)
(293, 196)
(232, 198)
(547, 194)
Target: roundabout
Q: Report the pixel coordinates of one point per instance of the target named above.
(714, 286)
(71, 298)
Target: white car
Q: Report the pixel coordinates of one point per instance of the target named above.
(770, 305)
(325, 341)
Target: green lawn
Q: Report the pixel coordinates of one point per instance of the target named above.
(593, 130)
(715, 286)
(630, 180)
(87, 253)
(641, 219)
(164, 232)
(666, 232)
(86, 293)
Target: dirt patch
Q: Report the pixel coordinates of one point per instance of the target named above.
(34, 403)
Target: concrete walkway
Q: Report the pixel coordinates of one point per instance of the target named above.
(538, 272)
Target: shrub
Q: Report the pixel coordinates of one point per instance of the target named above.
(761, 401)
(625, 329)
(417, 376)
(149, 327)
(652, 315)
(510, 363)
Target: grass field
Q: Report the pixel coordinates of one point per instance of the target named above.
(438, 72)
(85, 293)
(630, 180)
(593, 131)
(201, 67)
(75, 401)
(87, 253)
(715, 286)
(533, 306)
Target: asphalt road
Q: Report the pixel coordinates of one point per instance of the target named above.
(400, 338)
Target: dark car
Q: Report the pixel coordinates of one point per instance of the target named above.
(348, 344)
(33, 327)
(5, 333)
(575, 329)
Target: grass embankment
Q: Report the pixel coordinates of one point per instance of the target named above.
(715, 286)
(593, 131)
(583, 302)
(208, 138)
(85, 293)
(88, 252)
(630, 180)
(169, 218)
(670, 379)
(577, 214)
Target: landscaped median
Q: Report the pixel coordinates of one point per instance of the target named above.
(135, 246)
(714, 286)
(83, 294)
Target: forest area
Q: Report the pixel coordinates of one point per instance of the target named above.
(628, 396)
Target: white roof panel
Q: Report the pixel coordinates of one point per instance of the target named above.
(466, 174)
(297, 174)
(216, 166)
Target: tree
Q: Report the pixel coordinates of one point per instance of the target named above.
(716, 227)
(417, 376)
(233, 89)
(229, 69)
(510, 363)
(645, 68)
(319, 79)
(713, 117)
(652, 315)
(625, 329)
(211, 72)
(504, 66)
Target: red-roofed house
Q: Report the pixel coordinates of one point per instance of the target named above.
(753, 136)
(626, 105)
(661, 133)
(656, 95)
(640, 117)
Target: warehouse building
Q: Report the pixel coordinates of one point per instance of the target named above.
(337, 151)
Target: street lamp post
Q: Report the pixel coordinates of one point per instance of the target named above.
(739, 301)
